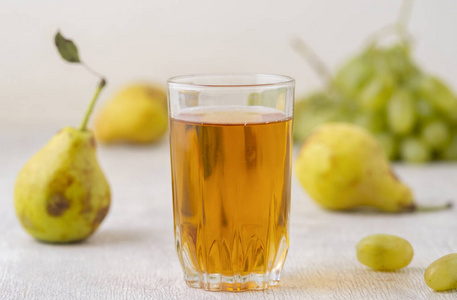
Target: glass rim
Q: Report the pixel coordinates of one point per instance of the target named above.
(180, 80)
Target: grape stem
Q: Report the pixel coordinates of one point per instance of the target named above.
(399, 28)
(100, 86)
(403, 20)
(314, 60)
(404, 15)
(431, 208)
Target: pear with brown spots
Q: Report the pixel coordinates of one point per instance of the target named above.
(61, 194)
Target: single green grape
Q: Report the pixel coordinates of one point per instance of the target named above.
(450, 151)
(414, 151)
(352, 76)
(376, 93)
(439, 95)
(441, 275)
(388, 144)
(435, 134)
(401, 113)
(384, 252)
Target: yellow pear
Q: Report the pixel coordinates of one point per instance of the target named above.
(61, 195)
(342, 166)
(137, 114)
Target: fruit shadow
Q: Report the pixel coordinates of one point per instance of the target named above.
(331, 279)
(130, 146)
(364, 211)
(118, 236)
(376, 212)
(107, 237)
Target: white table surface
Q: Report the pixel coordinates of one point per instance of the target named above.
(132, 255)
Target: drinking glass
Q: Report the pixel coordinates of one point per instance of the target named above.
(231, 150)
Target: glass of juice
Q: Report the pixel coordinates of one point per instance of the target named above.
(231, 150)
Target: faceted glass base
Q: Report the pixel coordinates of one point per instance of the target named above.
(257, 272)
(237, 283)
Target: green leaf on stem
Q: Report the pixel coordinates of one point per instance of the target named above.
(67, 48)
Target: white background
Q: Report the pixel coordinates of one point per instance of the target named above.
(153, 40)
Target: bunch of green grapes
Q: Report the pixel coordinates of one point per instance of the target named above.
(413, 114)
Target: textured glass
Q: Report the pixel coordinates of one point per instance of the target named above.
(231, 168)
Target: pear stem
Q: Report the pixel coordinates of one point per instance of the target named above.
(100, 86)
(90, 70)
(431, 208)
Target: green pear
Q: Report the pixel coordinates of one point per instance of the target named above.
(61, 195)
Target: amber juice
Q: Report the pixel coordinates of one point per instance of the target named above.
(231, 171)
